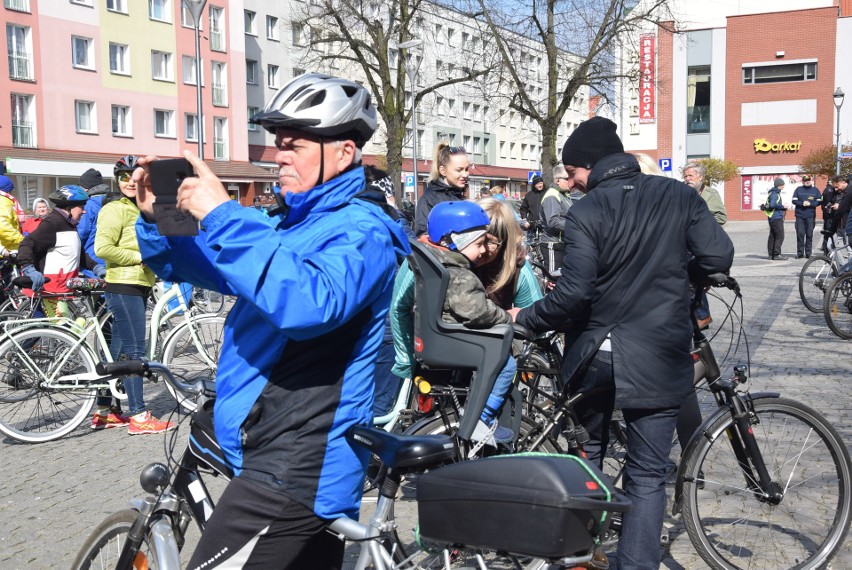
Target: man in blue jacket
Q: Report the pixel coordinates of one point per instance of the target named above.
(774, 209)
(314, 281)
(806, 198)
(627, 249)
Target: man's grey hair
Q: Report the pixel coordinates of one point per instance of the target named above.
(697, 167)
(559, 171)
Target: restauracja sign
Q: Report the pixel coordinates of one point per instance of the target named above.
(763, 145)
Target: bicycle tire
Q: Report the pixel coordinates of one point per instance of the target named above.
(184, 358)
(731, 528)
(46, 413)
(837, 306)
(814, 278)
(102, 548)
(534, 382)
(18, 305)
(207, 301)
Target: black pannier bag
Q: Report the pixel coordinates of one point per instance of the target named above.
(203, 444)
(542, 505)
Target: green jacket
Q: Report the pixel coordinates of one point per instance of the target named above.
(715, 204)
(466, 303)
(115, 243)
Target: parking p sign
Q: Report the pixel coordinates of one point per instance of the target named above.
(531, 174)
(666, 164)
(409, 182)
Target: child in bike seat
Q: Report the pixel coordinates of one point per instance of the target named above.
(457, 231)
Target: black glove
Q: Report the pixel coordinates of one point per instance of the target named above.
(764, 207)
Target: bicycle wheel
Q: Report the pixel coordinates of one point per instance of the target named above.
(814, 278)
(34, 407)
(731, 527)
(539, 388)
(208, 301)
(190, 359)
(102, 549)
(837, 307)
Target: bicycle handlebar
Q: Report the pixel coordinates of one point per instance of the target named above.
(142, 366)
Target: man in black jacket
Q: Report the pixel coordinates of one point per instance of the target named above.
(531, 204)
(623, 300)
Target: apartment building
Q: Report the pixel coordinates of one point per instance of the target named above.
(91, 80)
(752, 82)
(503, 145)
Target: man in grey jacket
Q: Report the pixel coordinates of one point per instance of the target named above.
(627, 244)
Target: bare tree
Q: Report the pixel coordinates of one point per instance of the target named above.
(364, 35)
(579, 39)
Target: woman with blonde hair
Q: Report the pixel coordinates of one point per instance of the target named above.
(648, 165)
(450, 173)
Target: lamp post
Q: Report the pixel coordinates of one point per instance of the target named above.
(195, 8)
(838, 103)
(411, 68)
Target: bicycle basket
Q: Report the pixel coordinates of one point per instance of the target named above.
(203, 444)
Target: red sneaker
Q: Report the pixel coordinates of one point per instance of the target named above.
(110, 420)
(148, 424)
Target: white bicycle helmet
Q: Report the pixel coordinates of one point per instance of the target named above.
(321, 105)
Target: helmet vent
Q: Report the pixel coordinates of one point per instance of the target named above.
(350, 90)
(315, 100)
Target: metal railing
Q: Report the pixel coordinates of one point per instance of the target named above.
(20, 65)
(23, 134)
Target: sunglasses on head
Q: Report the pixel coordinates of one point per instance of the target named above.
(456, 149)
(125, 176)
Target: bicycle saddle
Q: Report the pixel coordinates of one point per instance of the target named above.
(397, 451)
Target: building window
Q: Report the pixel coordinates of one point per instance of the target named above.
(698, 100)
(272, 76)
(272, 28)
(220, 138)
(161, 65)
(217, 29)
(23, 121)
(439, 33)
(298, 33)
(220, 84)
(190, 127)
(186, 19)
(117, 6)
(82, 2)
(119, 62)
(297, 71)
(466, 108)
(477, 145)
(251, 72)
(777, 73)
(164, 123)
(121, 121)
(17, 5)
(189, 71)
(20, 54)
(86, 121)
(82, 55)
(252, 111)
(159, 10)
(250, 19)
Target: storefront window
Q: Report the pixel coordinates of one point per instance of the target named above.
(698, 100)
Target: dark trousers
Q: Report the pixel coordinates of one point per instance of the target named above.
(649, 443)
(804, 236)
(776, 237)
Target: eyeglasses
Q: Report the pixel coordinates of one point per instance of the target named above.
(493, 245)
(561, 178)
(125, 176)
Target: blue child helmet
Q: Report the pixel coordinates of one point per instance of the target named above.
(455, 218)
(69, 196)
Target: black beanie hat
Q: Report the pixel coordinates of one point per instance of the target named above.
(591, 140)
(536, 179)
(91, 178)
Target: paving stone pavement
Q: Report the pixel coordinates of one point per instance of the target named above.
(53, 494)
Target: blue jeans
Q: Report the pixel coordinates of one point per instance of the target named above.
(128, 340)
(649, 443)
(387, 383)
(501, 387)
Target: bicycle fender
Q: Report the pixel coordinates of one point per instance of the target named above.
(164, 545)
(122, 396)
(702, 432)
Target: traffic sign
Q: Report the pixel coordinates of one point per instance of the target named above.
(666, 164)
(846, 155)
(532, 173)
(409, 181)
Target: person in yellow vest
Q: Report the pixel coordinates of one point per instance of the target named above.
(554, 209)
(11, 217)
(774, 210)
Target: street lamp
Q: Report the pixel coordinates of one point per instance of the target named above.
(195, 8)
(411, 68)
(838, 103)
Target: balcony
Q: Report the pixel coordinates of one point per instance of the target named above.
(220, 97)
(217, 39)
(20, 65)
(23, 134)
(219, 149)
(17, 5)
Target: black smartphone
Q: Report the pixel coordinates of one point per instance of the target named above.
(166, 177)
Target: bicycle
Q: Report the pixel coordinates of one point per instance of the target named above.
(837, 306)
(819, 271)
(48, 382)
(563, 501)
